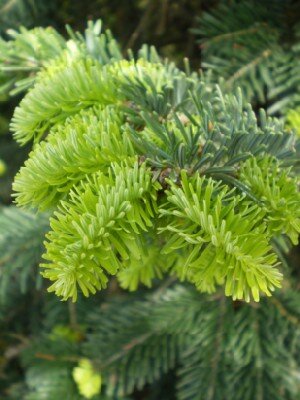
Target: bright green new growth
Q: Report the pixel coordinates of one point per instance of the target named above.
(293, 120)
(225, 238)
(98, 228)
(278, 192)
(88, 381)
(30, 51)
(72, 151)
(149, 170)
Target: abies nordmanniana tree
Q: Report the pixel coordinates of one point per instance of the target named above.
(152, 174)
(136, 156)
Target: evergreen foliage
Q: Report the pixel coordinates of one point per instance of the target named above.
(28, 12)
(28, 51)
(254, 45)
(195, 338)
(20, 247)
(162, 133)
(145, 172)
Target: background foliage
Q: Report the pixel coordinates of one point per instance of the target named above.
(169, 342)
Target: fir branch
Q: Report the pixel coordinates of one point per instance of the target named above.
(100, 222)
(225, 246)
(279, 193)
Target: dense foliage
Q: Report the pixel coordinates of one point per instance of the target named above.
(255, 45)
(148, 179)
